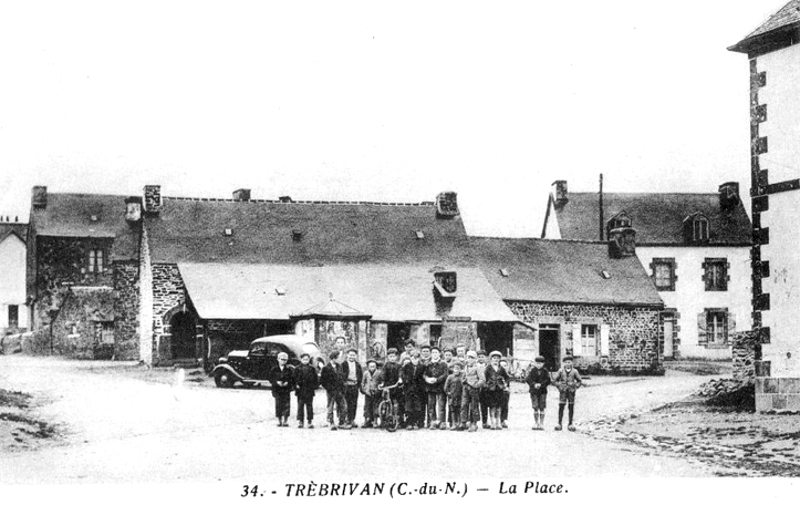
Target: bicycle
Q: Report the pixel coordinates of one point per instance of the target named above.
(387, 410)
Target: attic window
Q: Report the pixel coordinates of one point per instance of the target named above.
(700, 229)
(605, 274)
(93, 217)
(280, 290)
(420, 234)
(297, 235)
(504, 272)
(228, 232)
(621, 220)
(445, 284)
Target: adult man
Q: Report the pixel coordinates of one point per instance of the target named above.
(353, 375)
(434, 376)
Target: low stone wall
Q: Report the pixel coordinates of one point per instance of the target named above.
(746, 350)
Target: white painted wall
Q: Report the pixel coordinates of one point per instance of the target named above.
(12, 279)
(691, 298)
(783, 284)
(782, 128)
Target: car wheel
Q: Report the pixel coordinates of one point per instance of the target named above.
(224, 379)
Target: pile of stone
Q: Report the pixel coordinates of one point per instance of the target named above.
(730, 393)
(722, 386)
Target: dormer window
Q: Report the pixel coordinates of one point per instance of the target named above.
(228, 232)
(504, 272)
(420, 235)
(445, 283)
(297, 235)
(621, 220)
(696, 228)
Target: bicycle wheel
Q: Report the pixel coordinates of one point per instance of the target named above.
(385, 411)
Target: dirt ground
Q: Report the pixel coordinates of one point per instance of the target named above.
(120, 422)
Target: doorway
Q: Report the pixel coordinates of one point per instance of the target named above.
(550, 345)
(183, 331)
(497, 337)
(396, 335)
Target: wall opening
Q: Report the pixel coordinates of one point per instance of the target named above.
(183, 336)
(549, 345)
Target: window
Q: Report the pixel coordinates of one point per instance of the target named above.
(700, 229)
(716, 326)
(106, 332)
(664, 273)
(589, 333)
(96, 264)
(621, 220)
(13, 316)
(436, 334)
(716, 274)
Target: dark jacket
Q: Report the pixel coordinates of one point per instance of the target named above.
(286, 376)
(388, 375)
(453, 386)
(496, 380)
(412, 378)
(568, 381)
(306, 381)
(538, 376)
(345, 367)
(331, 377)
(437, 371)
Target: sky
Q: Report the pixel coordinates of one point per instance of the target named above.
(388, 101)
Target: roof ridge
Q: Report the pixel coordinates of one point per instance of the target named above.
(302, 202)
(640, 193)
(539, 239)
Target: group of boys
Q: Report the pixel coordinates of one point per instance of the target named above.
(429, 388)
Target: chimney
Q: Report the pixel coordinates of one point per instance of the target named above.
(728, 196)
(560, 197)
(133, 209)
(241, 195)
(152, 199)
(446, 205)
(621, 243)
(39, 197)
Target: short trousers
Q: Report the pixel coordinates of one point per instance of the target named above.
(539, 401)
(566, 396)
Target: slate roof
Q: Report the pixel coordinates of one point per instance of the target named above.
(562, 271)
(787, 17)
(70, 215)
(19, 229)
(193, 230)
(656, 217)
(386, 292)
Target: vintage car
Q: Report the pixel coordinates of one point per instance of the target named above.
(252, 367)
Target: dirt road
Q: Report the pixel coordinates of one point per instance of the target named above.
(123, 425)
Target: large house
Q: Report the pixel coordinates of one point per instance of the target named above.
(774, 57)
(695, 246)
(590, 300)
(13, 299)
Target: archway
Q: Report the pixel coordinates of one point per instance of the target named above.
(183, 332)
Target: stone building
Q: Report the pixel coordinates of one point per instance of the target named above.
(774, 58)
(218, 273)
(695, 246)
(83, 273)
(13, 297)
(590, 300)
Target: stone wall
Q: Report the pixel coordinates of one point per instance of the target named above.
(169, 292)
(84, 325)
(746, 350)
(634, 339)
(126, 309)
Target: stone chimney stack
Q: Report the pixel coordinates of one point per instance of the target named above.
(241, 195)
(621, 243)
(728, 196)
(152, 199)
(560, 196)
(447, 205)
(39, 197)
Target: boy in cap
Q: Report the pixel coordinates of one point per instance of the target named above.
(473, 382)
(353, 375)
(413, 390)
(567, 380)
(496, 382)
(434, 376)
(306, 382)
(390, 375)
(453, 387)
(369, 386)
(282, 380)
(332, 380)
(484, 405)
(506, 395)
(538, 379)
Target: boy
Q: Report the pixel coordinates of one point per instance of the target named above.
(434, 376)
(306, 382)
(424, 359)
(447, 357)
(506, 395)
(496, 382)
(282, 379)
(453, 388)
(567, 380)
(413, 391)
(473, 382)
(390, 375)
(483, 402)
(538, 379)
(369, 386)
(331, 379)
(406, 354)
(353, 375)
(461, 353)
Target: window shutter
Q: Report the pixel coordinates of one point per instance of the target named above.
(605, 333)
(577, 349)
(702, 323)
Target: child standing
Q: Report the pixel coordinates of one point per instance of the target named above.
(435, 376)
(568, 380)
(369, 386)
(353, 375)
(453, 388)
(506, 395)
(413, 391)
(496, 382)
(332, 380)
(472, 383)
(538, 379)
(282, 380)
(306, 382)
